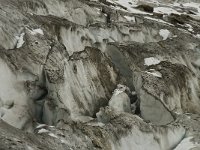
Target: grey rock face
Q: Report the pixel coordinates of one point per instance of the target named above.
(99, 74)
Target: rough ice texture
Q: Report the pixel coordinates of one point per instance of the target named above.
(60, 62)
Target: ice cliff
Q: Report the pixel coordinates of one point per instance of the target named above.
(100, 74)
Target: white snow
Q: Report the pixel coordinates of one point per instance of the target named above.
(20, 40)
(193, 5)
(165, 10)
(53, 135)
(186, 144)
(37, 31)
(129, 4)
(155, 73)
(158, 20)
(65, 142)
(117, 91)
(151, 61)
(97, 124)
(198, 36)
(41, 126)
(120, 88)
(164, 33)
(133, 93)
(176, 4)
(126, 3)
(42, 131)
(29, 148)
(131, 19)
(98, 11)
(190, 28)
(81, 118)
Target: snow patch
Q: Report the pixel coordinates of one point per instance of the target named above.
(20, 40)
(98, 11)
(120, 88)
(126, 3)
(151, 61)
(42, 131)
(176, 4)
(29, 148)
(190, 28)
(197, 36)
(164, 33)
(158, 20)
(65, 142)
(193, 5)
(155, 73)
(41, 126)
(129, 5)
(37, 31)
(165, 10)
(97, 124)
(81, 118)
(131, 19)
(52, 135)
